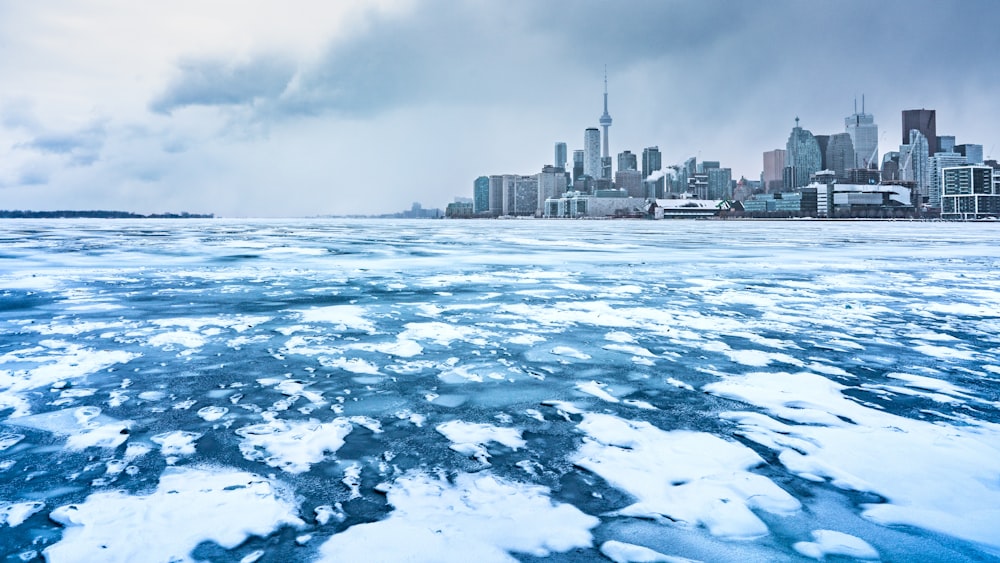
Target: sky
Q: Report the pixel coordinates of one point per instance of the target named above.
(261, 108)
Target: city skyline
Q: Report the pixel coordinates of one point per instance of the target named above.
(265, 113)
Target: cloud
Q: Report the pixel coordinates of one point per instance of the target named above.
(222, 83)
(82, 147)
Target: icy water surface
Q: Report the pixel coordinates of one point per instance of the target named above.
(319, 390)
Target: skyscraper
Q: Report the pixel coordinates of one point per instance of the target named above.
(913, 163)
(592, 152)
(840, 155)
(606, 118)
(652, 161)
(577, 164)
(627, 161)
(774, 170)
(560, 161)
(864, 136)
(802, 157)
(925, 121)
(481, 195)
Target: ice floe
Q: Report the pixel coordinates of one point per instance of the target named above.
(470, 438)
(474, 517)
(189, 506)
(293, 445)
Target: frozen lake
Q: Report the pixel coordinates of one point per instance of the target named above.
(333, 390)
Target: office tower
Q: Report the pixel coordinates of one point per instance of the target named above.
(592, 152)
(560, 161)
(973, 153)
(823, 141)
(630, 180)
(774, 170)
(577, 165)
(890, 167)
(497, 195)
(520, 194)
(840, 155)
(481, 195)
(935, 165)
(652, 161)
(606, 121)
(864, 136)
(945, 143)
(913, 159)
(802, 157)
(719, 181)
(551, 184)
(627, 161)
(923, 120)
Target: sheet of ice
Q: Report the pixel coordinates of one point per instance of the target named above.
(190, 505)
(470, 438)
(597, 389)
(621, 552)
(342, 317)
(570, 352)
(474, 517)
(830, 542)
(176, 443)
(293, 445)
(84, 427)
(950, 484)
(689, 477)
(439, 333)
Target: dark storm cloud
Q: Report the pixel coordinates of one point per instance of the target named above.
(82, 147)
(222, 83)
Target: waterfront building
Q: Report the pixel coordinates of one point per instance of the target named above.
(970, 192)
(630, 181)
(935, 165)
(913, 159)
(652, 161)
(890, 167)
(802, 157)
(925, 121)
(840, 155)
(560, 155)
(481, 195)
(603, 203)
(551, 183)
(774, 169)
(863, 200)
(719, 183)
(864, 137)
(578, 157)
(496, 195)
(592, 152)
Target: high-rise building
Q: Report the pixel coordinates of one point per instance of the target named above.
(774, 170)
(935, 165)
(840, 155)
(973, 153)
(945, 143)
(913, 164)
(802, 157)
(497, 191)
(578, 157)
(630, 180)
(652, 161)
(551, 184)
(627, 161)
(606, 168)
(925, 121)
(592, 152)
(890, 167)
(560, 161)
(823, 141)
(864, 137)
(481, 195)
(719, 182)
(606, 121)
(970, 192)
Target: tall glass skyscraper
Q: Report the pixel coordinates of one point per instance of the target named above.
(840, 155)
(864, 136)
(560, 161)
(925, 121)
(802, 157)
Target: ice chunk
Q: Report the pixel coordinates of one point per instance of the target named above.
(479, 517)
(293, 446)
(343, 317)
(598, 390)
(570, 352)
(621, 552)
(188, 507)
(84, 427)
(176, 443)
(691, 477)
(211, 414)
(470, 438)
(829, 542)
(15, 513)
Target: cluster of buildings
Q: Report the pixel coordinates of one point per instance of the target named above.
(829, 175)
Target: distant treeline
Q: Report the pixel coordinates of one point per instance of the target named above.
(98, 215)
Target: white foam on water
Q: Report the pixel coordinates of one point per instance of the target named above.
(470, 438)
(830, 542)
(476, 517)
(342, 317)
(689, 477)
(950, 483)
(190, 505)
(290, 445)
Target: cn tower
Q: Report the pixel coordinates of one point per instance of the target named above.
(606, 118)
